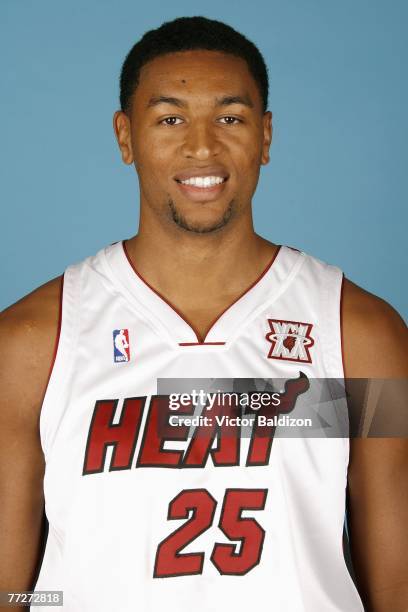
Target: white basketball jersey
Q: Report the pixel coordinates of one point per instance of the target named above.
(148, 516)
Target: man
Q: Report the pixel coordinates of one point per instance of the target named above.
(141, 516)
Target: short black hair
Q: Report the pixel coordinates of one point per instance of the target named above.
(186, 34)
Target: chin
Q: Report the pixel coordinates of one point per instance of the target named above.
(196, 224)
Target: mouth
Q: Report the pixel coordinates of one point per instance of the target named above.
(204, 186)
(203, 182)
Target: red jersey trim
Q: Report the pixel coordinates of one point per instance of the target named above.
(341, 326)
(199, 343)
(200, 338)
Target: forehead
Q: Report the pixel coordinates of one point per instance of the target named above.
(199, 73)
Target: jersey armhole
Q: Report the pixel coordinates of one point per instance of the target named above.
(341, 325)
(333, 353)
(61, 364)
(343, 366)
(332, 326)
(57, 338)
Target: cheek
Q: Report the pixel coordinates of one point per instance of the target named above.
(247, 150)
(249, 164)
(150, 161)
(155, 143)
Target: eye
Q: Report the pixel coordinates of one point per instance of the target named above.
(170, 121)
(230, 120)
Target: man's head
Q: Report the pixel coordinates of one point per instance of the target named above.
(193, 120)
(188, 34)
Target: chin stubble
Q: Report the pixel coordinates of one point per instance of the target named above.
(181, 221)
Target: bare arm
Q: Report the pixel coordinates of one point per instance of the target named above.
(28, 332)
(374, 342)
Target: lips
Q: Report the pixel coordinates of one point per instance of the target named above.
(206, 187)
(196, 171)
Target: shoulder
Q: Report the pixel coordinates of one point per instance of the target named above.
(28, 334)
(374, 335)
(34, 314)
(375, 338)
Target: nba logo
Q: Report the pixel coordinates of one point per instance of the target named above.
(121, 348)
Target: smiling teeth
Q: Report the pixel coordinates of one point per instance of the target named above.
(203, 181)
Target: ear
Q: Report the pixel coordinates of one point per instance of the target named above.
(267, 137)
(121, 126)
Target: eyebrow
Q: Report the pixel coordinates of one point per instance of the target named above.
(155, 100)
(228, 100)
(224, 101)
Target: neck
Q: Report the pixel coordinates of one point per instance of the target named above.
(185, 266)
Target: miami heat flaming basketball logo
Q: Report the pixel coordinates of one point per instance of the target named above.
(291, 340)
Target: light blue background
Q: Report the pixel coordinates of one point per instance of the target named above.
(336, 186)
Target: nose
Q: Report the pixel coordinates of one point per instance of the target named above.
(200, 142)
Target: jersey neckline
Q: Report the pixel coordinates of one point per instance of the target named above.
(266, 287)
(199, 338)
